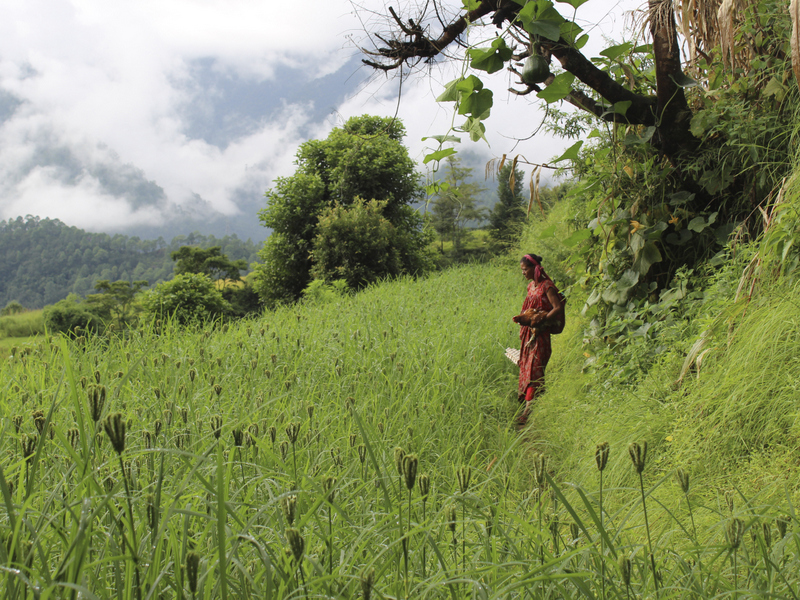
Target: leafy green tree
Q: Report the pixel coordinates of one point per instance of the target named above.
(209, 261)
(455, 204)
(508, 214)
(115, 300)
(365, 158)
(188, 298)
(359, 245)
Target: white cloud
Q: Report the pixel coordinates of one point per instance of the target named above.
(101, 86)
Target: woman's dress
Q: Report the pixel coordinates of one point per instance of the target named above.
(533, 358)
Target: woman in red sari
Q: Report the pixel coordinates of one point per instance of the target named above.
(541, 310)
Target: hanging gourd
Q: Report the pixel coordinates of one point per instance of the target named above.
(535, 70)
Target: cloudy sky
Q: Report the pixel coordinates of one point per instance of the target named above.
(149, 117)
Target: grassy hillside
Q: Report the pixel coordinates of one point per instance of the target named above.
(415, 365)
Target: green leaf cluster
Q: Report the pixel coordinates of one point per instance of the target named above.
(363, 159)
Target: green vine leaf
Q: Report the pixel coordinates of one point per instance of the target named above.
(576, 238)
(438, 155)
(613, 52)
(450, 93)
(490, 59)
(442, 138)
(477, 103)
(571, 152)
(558, 89)
(475, 129)
(646, 257)
(573, 3)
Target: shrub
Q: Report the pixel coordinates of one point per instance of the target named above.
(12, 308)
(66, 315)
(188, 298)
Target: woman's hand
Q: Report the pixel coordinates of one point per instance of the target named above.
(530, 317)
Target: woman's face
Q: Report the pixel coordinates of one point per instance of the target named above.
(527, 270)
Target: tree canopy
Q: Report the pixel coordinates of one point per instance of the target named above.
(455, 203)
(365, 158)
(688, 133)
(208, 261)
(505, 220)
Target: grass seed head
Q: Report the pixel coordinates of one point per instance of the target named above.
(734, 532)
(29, 445)
(167, 417)
(783, 523)
(17, 421)
(625, 569)
(97, 399)
(729, 500)
(284, 446)
(296, 543)
(310, 411)
(97, 376)
(539, 469)
(766, 530)
(601, 456)
(192, 375)
(192, 570)
(362, 453)
(185, 415)
(114, 426)
(574, 532)
(217, 389)
(638, 454)
(73, 436)
(216, 426)
(683, 479)
(399, 456)
(464, 475)
(157, 425)
(410, 464)
(273, 433)
(329, 485)
(380, 427)
(289, 508)
(292, 431)
(38, 420)
(424, 486)
(238, 436)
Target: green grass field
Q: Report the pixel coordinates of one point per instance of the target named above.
(360, 443)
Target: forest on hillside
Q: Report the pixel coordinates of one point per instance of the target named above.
(44, 260)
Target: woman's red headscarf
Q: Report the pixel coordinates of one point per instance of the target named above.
(536, 261)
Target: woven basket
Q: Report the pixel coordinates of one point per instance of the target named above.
(513, 355)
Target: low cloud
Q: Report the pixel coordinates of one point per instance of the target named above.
(123, 116)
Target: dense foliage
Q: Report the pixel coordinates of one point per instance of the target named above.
(44, 260)
(365, 158)
(188, 298)
(359, 245)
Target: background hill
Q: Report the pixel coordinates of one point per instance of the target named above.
(43, 260)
